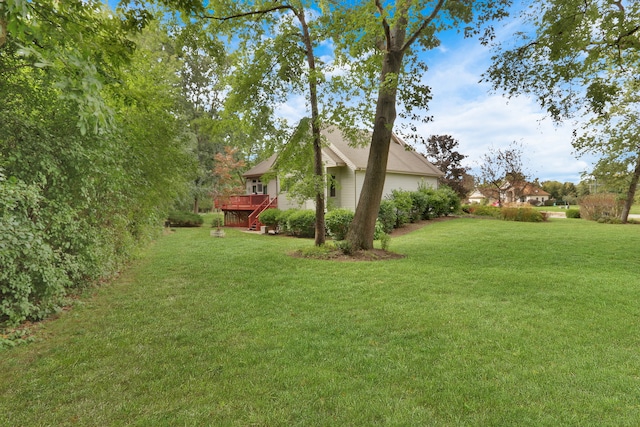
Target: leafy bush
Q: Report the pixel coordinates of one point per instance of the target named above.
(484, 210)
(573, 213)
(419, 205)
(284, 219)
(521, 214)
(387, 215)
(271, 218)
(301, 223)
(338, 222)
(596, 206)
(33, 276)
(184, 219)
(403, 204)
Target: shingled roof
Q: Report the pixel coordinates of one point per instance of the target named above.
(402, 158)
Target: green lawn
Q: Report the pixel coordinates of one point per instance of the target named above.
(485, 322)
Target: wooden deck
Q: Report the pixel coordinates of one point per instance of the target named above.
(242, 203)
(244, 211)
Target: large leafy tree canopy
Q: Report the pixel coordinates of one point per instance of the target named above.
(581, 60)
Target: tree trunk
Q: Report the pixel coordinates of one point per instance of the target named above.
(318, 167)
(196, 204)
(631, 192)
(360, 235)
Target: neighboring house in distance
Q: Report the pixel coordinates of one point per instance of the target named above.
(406, 170)
(524, 192)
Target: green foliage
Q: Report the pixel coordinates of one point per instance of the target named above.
(521, 214)
(184, 219)
(32, 278)
(301, 222)
(403, 203)
(91, 198)
(344, 246)
(419, 205)
(387, 215)
(385, 241)
(379, 230)
(581, 60)
(601, 205)
(573, 213)
(338, 222)
(271, 218)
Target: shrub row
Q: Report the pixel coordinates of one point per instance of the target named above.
(400, 208)
(523, 214)
(184, 219)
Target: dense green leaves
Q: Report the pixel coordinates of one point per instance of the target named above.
(582, 60)
(75, 204)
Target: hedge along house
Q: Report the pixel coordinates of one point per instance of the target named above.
(345, 164)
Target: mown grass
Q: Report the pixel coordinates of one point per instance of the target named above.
(484, 322)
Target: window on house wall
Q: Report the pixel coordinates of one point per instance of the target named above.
(332, 186)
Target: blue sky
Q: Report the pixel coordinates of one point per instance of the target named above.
(467, 110)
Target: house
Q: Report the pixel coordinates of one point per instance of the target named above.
(524, 192)
(406, 170)
(511, 192)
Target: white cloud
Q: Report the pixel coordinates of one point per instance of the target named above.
(467, 110)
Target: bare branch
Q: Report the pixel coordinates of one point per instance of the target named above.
(251, 13)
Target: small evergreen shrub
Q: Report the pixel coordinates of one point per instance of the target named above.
(521, 214)
(184, 219)
(271, 218)
(301, 223)
(284, 219)
(338, 222)
(387, 215)
(573, 213)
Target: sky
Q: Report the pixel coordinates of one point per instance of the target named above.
(479, 119)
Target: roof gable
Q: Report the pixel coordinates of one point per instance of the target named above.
(338, 151)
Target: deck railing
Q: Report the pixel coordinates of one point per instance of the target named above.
(247, 202)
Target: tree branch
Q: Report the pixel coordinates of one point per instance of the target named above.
(252, 13)
(385, 24)
(424, 25)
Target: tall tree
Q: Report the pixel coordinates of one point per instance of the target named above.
(503, 167)
(582, 61)
(441, 151)
(387, 37)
